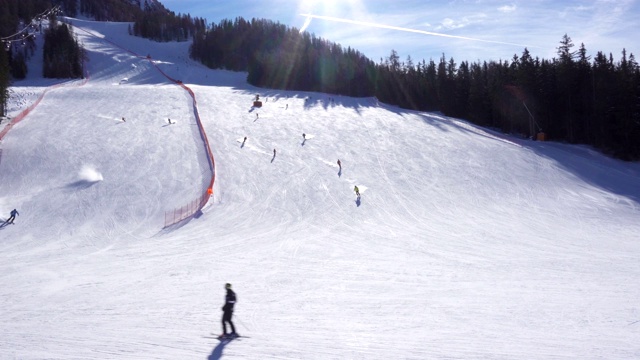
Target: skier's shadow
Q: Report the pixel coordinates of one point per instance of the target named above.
(340, 172)
(81, 184)
(358, 202)
(303, 141)
(217, 351)
(273, 158)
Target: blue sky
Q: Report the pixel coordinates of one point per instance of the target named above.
(462, 29)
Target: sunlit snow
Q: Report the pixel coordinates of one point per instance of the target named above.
(466, 244)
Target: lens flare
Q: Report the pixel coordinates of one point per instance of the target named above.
(390, 27)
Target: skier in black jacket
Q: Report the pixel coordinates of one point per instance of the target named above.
(14, 212)
(227, 312)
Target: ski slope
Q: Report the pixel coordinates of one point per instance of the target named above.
(466, 244)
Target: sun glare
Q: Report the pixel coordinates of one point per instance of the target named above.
(317, 5)
(331, 7)
(335, 8)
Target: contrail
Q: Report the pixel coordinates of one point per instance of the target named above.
(382, 26)
(306, 24)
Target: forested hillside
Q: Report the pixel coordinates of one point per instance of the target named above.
(22, 20)
(571, 97)
(17, 34)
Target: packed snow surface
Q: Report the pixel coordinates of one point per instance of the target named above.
(467, 244)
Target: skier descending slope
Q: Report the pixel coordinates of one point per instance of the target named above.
(11, 218)
(227, 313)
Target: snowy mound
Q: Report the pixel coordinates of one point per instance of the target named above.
(89, 174)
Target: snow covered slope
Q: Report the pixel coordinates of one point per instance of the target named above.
(465, 244)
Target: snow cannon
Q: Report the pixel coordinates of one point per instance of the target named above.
(257, 102)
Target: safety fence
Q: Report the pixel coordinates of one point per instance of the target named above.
(21, 116)
(28, 110)
(184, 212)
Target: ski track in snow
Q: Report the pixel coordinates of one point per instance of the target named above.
(468, 244)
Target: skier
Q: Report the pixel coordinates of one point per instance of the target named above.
(14, 212)
(169, 121)
(355, 188)
(257, 116)
(274, 152)
(245, 140)
(304, 136)
(286, 107)
(339, 164)
(227, 313)
(123, 120)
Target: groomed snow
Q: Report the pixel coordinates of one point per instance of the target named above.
(466, 244)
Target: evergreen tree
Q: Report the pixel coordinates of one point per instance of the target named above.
(567, 87)
(4, 81)
(62, 53)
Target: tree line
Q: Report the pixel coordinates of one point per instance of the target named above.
(62, 54)
(570, 98)
(166, 26)
(280, 57)
(15, 15)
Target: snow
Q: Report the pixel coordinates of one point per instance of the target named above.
(468, 244)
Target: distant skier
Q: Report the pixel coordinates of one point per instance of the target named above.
(245, 140)
(286, 107)
(339, 164)
(14, 212)
(169, 120)
(227, 312)
(355, 188)
(257, 116)
(304, 136)
(123, 120)
(274, 152)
